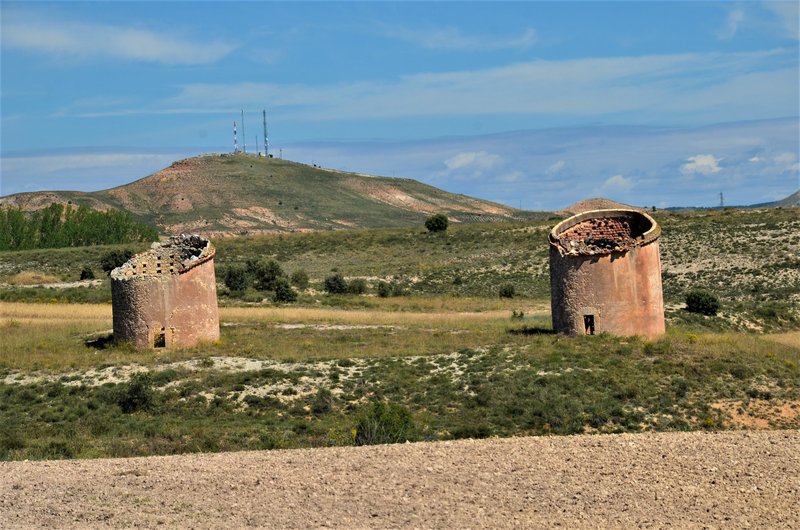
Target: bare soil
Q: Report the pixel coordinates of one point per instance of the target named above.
(732, 480)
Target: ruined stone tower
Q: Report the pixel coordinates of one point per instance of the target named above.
(605, 274)
(167, 296)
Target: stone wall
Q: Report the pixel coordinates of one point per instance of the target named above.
(605, 274)
(167, 296)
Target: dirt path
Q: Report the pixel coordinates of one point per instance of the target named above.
(735, 479)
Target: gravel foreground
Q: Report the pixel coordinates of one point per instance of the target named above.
(732, 479)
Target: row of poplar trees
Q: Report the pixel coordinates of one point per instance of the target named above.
(65, 226)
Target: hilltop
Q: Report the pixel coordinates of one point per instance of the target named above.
(240, 194)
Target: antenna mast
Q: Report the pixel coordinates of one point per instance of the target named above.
(244, 139)
(721, 201)
(235, 141)
(266, 137)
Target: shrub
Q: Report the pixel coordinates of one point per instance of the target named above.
(284, 291)
(114, 258)
(437, 223)
(384, 289)
(336, 284)
(703, 302)
(236, 278)
(384, 423)
(357, 286)
(507, 291)
(300, 279)
(265, 273)
(137, 394)
(87, 273)
(322, 402)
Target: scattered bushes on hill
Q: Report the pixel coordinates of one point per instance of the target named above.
(87, 273)
(283, 291)
(384, 289)
(265, 273)
(237, 279)
(114, 258)
(60, 226)
(507, 291)
(357, 286)
(336, 284)
(703, 302)
(300, 279)
(437, 223)
(384, 423)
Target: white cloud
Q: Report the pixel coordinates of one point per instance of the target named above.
(58, 163)
(452, 38)
(479, 161)
(617, 183)
(785, 158)
(747, 85)
(733, 22)
(556, 167)
(76, 39)
(788, 16)
(754, 159)
(701, 164)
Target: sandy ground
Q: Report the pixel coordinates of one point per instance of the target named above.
(733, 479)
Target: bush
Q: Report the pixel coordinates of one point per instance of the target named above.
(300, 279)
(137, 394)
(336, 284)
(507, 291)
(265, 273)
(87, 273)
(384, 289)
(437, 223)
(236, 278)
(703, 302)
(284, 291)
(114, 258)
(357, 286)
(384, 423)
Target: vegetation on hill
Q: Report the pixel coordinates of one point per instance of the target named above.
(58, 226)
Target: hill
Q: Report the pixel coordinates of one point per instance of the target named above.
(786, 202)
(239, 194)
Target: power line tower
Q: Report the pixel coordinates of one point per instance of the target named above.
(266, 137)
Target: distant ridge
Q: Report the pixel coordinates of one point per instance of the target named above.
(596, 203)
(220, 195)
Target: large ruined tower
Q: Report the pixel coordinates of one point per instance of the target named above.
(605, 274)
(167, 296)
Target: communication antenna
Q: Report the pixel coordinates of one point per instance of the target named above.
(266, 137)
(244, 139)
(235, 141)
(721, 200)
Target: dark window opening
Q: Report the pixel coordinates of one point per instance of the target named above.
(160, 339)
(588, 324)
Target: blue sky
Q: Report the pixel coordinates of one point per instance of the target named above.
(537, 104)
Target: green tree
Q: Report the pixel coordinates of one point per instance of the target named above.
(336, 284)
(300, 279)
(284, 291)
(437, 223)
(703, 302)
(114, 258)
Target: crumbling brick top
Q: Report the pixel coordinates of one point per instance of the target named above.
(603, 231)
(175, 256)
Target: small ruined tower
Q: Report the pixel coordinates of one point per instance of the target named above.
(167, 296)
(605, 274)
